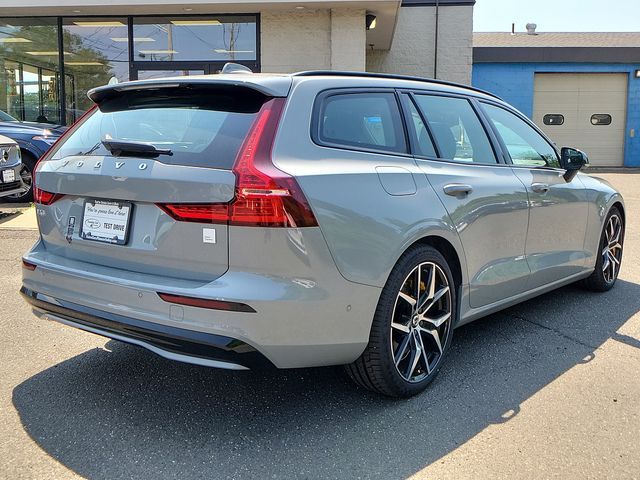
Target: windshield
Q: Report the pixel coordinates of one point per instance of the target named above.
(5, 117)
(201, 133)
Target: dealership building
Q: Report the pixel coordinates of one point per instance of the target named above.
(582, 88)
(52, 53)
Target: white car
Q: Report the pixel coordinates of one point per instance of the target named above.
(10, 165)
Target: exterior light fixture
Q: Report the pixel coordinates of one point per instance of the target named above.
(370, 21)
(637, 73)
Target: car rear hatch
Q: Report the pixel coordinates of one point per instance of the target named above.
(108, 189)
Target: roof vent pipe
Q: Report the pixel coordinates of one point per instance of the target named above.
(531, 29)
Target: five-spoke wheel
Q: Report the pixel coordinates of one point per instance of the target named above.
(412, 327)
(612, 248)
(610, 253)
(421, 318)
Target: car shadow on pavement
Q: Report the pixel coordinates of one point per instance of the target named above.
(123, 412)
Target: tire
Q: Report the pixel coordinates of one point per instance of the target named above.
(384, 367)
(28, 163)
(609, 259)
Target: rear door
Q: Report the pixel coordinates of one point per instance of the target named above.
(118, 208)
(559, 209)
(484, 198)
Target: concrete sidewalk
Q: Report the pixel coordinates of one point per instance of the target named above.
(18, 217)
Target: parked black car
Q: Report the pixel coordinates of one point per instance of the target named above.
(34, 139)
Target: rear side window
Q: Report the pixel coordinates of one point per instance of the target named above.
(201, 128)
(458, 133)
(368, 121)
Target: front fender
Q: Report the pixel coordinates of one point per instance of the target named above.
(601, 196)
(30, 147)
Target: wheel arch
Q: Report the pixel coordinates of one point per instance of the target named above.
(448, 251)
(618, 204)
(28, 150)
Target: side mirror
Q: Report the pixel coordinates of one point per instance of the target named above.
(572, 160)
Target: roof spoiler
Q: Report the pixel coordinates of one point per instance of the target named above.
(276, 86)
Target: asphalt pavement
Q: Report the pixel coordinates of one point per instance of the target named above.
(546, 389)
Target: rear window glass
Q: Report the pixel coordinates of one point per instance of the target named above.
(201, 128)
(369, 121)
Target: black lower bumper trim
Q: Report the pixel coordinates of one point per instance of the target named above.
(171, 339)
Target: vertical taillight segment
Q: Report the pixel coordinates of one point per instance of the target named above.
(41, 196)
(265, 195)
(45, 198)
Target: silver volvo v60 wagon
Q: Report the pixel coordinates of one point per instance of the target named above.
(245, 221)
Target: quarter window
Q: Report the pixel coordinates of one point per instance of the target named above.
(525, 145)
(369, 121)
(458, 133)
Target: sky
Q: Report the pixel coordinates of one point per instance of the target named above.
(557, 15)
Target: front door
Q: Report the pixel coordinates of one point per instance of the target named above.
(485, 200)
(558, 209)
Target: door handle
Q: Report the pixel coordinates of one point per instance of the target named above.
(540, 187)
(457, 189)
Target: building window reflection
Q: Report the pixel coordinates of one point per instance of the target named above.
(41, 83)
(219, 38)
(29, 67)
(98, 54)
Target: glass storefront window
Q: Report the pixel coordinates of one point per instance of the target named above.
(149, 74)
(98, 51)
(98, 54)
(29, 68)
(201, 38)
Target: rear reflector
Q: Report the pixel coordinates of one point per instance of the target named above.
(205, 303)
(265, 196)
(45, 198)
(28, 265)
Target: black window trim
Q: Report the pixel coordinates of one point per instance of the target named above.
(318, 105)
(495, 146)
(526, 120)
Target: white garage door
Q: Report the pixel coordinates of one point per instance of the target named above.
(584, 110)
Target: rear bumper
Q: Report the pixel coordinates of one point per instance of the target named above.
(173, 343)
(305, 313)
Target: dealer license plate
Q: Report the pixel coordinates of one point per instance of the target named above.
(106, 221)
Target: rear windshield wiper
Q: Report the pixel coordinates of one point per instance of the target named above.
(122, 148)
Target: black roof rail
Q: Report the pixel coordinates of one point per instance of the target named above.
(315, 73)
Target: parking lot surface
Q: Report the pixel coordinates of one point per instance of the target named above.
(546, 389)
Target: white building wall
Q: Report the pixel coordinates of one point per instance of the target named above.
(295, 41)
(348, 40)
(412, 51)
(320, 39)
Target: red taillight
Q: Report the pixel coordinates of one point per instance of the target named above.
(28, 265)
(45, 198)
(205, 303)
(41, 196)
(201, 213)
(265, 196)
